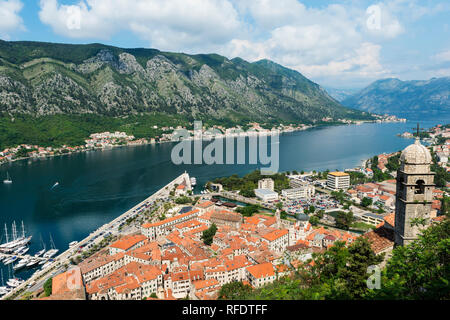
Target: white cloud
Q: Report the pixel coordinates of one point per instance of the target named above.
(327, 44)
(330, 44)
(443, 56)
(167, 25)
(9, 17)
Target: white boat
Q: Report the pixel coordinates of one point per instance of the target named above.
(47, 264)
(32, 263)
(73, 243)
(19, 249)
(14, 282)
(3, 291)
(55, 185)
(23, 251)
(8, 179)
(16, 240)
(10, 260)
(20, 265)
(50, 253)
(193, 181)
(40, 253)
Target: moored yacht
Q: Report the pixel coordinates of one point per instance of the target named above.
(32, 262)
(10, 260)
(73, 243)
(39, 253)
(15, 282)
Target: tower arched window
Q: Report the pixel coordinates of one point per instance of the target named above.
(420, 187)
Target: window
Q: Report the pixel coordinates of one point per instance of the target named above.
(420, 187)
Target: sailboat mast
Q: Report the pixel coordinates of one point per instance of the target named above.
(42, 242)
(13, 227)
(6, 233)
(51, 242)
(23, 230)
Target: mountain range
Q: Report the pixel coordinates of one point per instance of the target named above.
(42, 79)
(414, 100)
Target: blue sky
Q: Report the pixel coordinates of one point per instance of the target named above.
(340, 44)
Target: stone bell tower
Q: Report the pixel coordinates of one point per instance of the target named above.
(414, 192)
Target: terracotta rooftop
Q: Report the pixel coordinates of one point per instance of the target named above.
(380, 239)
(168, 220)
(127, 242)
(261, 270)
(276, 234)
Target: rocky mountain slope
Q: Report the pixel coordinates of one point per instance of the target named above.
(410, 99)
(47, 79)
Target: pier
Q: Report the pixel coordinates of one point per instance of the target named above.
(137, 209)
(8, 255)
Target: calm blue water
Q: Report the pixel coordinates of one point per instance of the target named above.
(97, 186)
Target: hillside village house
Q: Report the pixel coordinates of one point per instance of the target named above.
(156, 229)
(127, 243)
(261, 274)
(277, 240)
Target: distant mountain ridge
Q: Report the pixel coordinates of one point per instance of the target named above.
(47, 78)
(418, 99)
(340, 94)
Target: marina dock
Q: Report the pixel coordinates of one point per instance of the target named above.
(137, 209)
(8, 255)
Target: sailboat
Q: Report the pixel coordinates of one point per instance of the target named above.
(3, 289)
(40, 253)
(8, 179)
(50, 253)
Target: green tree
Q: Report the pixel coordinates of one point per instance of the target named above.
(355, 273)
(48, 287)
(314, 220)
(248, 211)
(344, 220)
(234, 291)
(208, 235)
(420, 270)
(365, 202)
(183, 200)
(320, 213)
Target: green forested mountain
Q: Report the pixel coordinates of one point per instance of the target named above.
(47, 79)
(428, 99)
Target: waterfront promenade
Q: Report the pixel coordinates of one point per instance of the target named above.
(64, 258)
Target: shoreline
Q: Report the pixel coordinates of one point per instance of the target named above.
(192, 138)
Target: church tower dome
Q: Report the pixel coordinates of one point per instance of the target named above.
(414, 192)
(416, 153)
